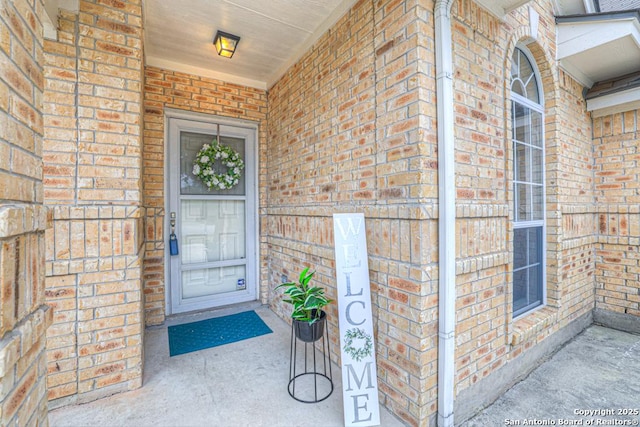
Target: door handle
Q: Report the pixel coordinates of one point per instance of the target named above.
(173, 241)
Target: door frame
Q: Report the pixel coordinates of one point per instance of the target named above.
(251, 182)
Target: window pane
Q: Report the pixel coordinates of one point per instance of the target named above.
(533, 242)
(532, 89)
(520, 279)
(520, 248)
(522, 162)
(190, 144)
(523, 212)
(515, 66)
(536, 165)
(525, 72)
(536, 128)
(521, 122)
(535, 286)
(527, 266)
(536, 212)
(212, 230)
(518, 87)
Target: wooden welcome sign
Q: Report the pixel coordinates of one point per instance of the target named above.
(359, 374)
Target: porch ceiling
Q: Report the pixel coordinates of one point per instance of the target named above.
(274, 34)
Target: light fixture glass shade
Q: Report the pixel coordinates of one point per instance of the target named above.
(225, 44)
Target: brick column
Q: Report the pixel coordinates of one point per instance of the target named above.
(92, 183)
(24, 317)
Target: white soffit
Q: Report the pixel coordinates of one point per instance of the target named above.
(273, 35)
(593, 50)
(50, 21)
(500, 8)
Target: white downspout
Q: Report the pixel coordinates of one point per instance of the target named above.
(446, 214)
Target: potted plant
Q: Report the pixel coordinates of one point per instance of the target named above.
(307, 301)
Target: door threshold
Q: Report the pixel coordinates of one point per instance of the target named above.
(195, 316)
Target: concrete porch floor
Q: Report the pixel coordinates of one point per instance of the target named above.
(245, 384)
(233, 385)
(599, 371)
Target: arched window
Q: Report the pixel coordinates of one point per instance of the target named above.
(529, 288)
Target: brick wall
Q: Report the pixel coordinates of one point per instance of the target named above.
(618, 215)
(92, 183)
(169, 89)
(487, 337)
(351, 129)
(312, 111)
(24, 316)
(318, 156)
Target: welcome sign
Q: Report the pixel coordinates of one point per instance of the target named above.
(359, 374)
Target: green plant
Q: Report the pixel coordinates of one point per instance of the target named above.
(307, 300)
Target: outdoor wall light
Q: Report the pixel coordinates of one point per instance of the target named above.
(226, 44)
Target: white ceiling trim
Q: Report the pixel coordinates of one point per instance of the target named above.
(500, 8)
(323, 28)
(618, 102)
(204, 72)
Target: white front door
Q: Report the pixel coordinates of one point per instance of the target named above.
(215, 229)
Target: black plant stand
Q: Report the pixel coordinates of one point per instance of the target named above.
(315, 383)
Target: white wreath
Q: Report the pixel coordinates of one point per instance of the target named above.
(213, 156)
(361, 337)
